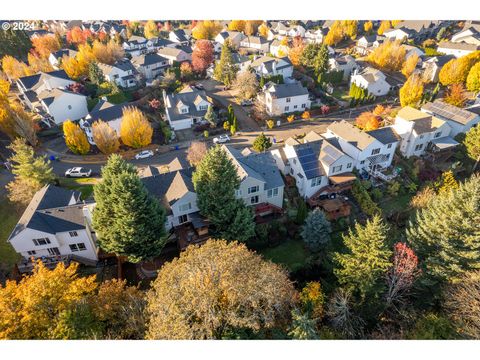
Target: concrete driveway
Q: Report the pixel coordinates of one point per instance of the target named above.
(214, 89)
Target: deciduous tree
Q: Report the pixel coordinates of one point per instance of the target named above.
(411, 92)
(384, 25)
(472, 143)
(237, 25)
(455, 95)
(150, 30)
(246, 85)
(202, 56)
(296, 51)
(390, 55)
(263, 30)
(216, 288)
(46, 44)
(368, 121)
(456, 70)
(206, 30)
(196, 152)
(473, 78)
(341, 315)
(410, 64)
(105, 137)
(75, 138)
(368, 27)
(135, 129)
(262, 143)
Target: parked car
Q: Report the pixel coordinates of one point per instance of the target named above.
(144, 154)
(221, 139)
(78, 172)
(199, 86)
(246, 103)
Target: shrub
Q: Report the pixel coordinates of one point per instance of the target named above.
(364, 200)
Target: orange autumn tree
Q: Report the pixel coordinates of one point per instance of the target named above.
(368, 121)
(38, 63)
(296, 50)
(455, 95)
(44, 45)
(206, 30)
(75, 138)
(135, 130)
(410, 64)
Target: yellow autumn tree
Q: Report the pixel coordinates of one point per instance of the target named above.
(473, 78)
(411, 92)
(37, 64)
(388, 56)
(107, 53)
(150, 30)
(135, 130)
(410, 64)
(72, 67)
(335, 34)
(237, 25)
(456, 70)
(105, 137)
(368, 27)
(75, 138)
(263, 30)
(14, 68)
(46, 44)
(206, 30)
(384, 25)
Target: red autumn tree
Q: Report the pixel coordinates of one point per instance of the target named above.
(154, 103)
(402, 274)
(202, 55)
(78, 36)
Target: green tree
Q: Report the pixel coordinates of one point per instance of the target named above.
(445, 233)
(316, 230)
(363, 267)
(234, 126)
(225, 70)
(303, 327)
(262, 143)
(95, 74)
(127, 219)
(472, 143)
(432, 327)
(15, 43)
(315, 57)
(215, 181)
(211, 117)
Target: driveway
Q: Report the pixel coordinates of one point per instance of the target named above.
(214, 89)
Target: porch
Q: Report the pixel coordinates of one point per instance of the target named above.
(193, 232)
(339, 184)
(266, 211)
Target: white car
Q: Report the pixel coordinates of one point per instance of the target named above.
(144, 154)
(221, 139)
(78, 172)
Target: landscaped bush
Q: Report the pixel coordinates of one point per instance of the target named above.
(364, 200)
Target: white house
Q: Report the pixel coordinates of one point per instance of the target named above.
(460, 120)
(234, 37)
(121, 72)
(432, 66)
(105, 111)
(257, 43)
(286, 98)
(175, 54)
(371, 150)
(150, 65)
(63, 105)
(457, 49)
(186, 108)
(315, 36)
(180, 36)
(135, 45)
(410, 50)
(422, 132)
(55, 223)
(268, 66)
(398, 34)
(345, 64)
(55, 58)
(368, 43)
(261, 185)
(468, 35)
(371, 79)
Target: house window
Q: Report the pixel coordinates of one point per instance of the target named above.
(238, 192)
(184, 110)
(81, 246)
(254, 200)
(41, 241)
(272, 192)
(31, 252)
(337, 169)
(69, 107)
(286, 108)
(362, 162)
(421, 136)
(53, 251)
(295, 161)
(317, 181)
(203, 107)
(304, 106)
(419, 147)
(73, 247)
(376, 151)
(253, 189)
(349, 165)
(73, 233)
(388, 156)
(185, 207)
(288, 100)
(295, 106)
(291, 171)
(182, 219)
(389, 146)
(438, 134)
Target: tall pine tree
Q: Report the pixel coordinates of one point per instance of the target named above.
(362, 269)
(127, 219)
(225, 70)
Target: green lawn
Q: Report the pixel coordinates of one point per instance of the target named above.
(397, 203)
(291, 253)
(84, 185)
(8, 219)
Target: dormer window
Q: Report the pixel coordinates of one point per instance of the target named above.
(203, 107)
(184, 110)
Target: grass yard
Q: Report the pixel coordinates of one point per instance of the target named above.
(291, 254)
(8, 218)
(341, 93)
(84, 185)
(393, 204)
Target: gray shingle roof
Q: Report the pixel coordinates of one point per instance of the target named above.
(280, 91)
(189, 97)
(106, 111)
(31, 82)
(385, 135)
(148, 59)
(356, 137)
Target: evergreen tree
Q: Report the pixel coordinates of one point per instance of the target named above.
(315, 57)
(448, 182)
(215, 181)
(472, 143)
(15, 43)
(363, 267)
(95, 74)
(446, 233)
(262, 143)
(211, 117)
(225, 70)
(316, 230)
(302, 213)
(128, 221)
(234, 126)
(303, 327)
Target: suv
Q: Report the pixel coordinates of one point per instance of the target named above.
(221, 139)
(78, 172)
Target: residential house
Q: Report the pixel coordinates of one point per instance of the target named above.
(55, 58)
(345, 64)
(368, 43)
(180, 36)
(186, 108)
(285, 98)
(422, 132)
(47, 95)
(234, 37)
(279, 49)
(268, 66)
(410, 50)
(178, 55)
(468, 35)
(371, 151)
(432, 66)
(401, 34)
(150, 66)
(315, 36)
(313, 163)
(55, 224)
(460, 120)
(457, 49)
(135, 45)
(261, 185)
(371, 79)
(243, 62)
(255, 43)
(419, 30)
(121, 72)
